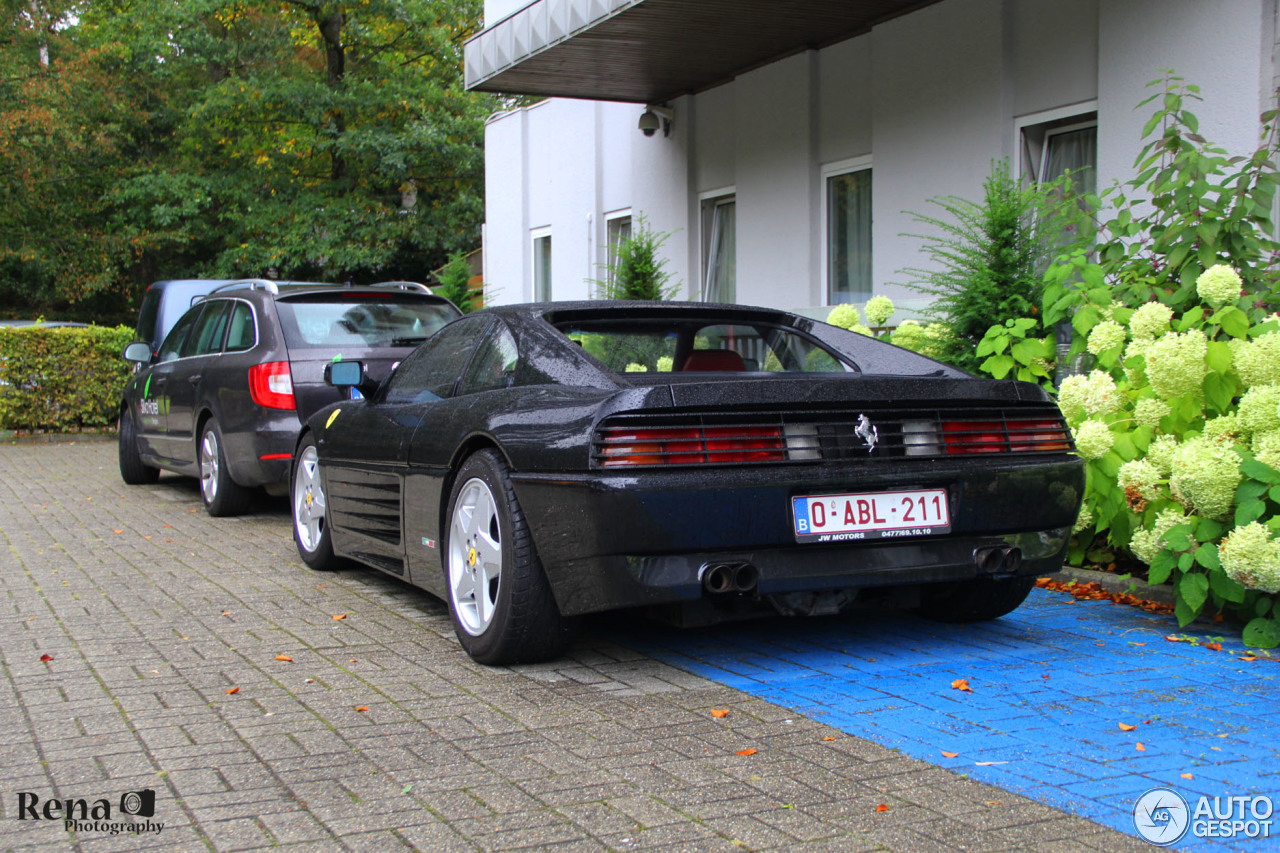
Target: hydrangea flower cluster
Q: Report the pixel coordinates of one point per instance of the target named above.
(1149, 411)
(1266, 448)
(1218, 285)
(1085, 519)
(1135, 360)
(1176, 364)
(1094, 439)
(1250, 556)
(636, 367)
(1106, 335)
(878, 310)
(926, 340)
(1260, 409)
(1258, 361)
(1225, 429)
(1093, 394)
(1150, 321)
(1146, 544)
(1205, 476)
(845, 316)
(1160, 453)
(665, 363)
(1142, 477)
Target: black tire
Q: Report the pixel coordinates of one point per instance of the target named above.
(222, 495)
(133, 470)
(306, 495)
(977, 600)
(523, 623)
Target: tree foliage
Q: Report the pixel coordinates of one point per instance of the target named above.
(638, 270)
(292, 139)
(989, 256)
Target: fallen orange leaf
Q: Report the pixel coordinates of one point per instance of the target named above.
(718, 713)
(1137, 644)
(362, 708)
(284, 657)
(1217, 647)
(117, 531)
(46, 658)
(233, 690)
(950, 754)
(962, 684)
(828, 738)
(340, 616)
(1141, 748)
(1186, 776)
(882, 808)
(1125, 727)
(1247, 657)
(353, 660)
(747, 751)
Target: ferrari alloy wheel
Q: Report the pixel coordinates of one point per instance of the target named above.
(310, 520)
(222, 496)
(502, 606)
(133, 470)
(475, 557)
(977, 600)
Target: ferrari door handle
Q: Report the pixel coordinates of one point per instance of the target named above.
(194, 378)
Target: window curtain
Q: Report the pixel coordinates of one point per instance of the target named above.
(849, 237)
(1074, 151)
(721, 280)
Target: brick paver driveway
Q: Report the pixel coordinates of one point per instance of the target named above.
(141, 643)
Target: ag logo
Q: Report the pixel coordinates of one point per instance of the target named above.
(1161, 816)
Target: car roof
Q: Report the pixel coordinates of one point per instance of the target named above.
(289, 289)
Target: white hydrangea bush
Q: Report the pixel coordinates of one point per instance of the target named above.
(1179, 421)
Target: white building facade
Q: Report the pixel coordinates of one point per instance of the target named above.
(789, 156)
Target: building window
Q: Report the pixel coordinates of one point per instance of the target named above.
(617, 228)
(719, 249)
(542, 266)
(849, 236)
(1051, 149)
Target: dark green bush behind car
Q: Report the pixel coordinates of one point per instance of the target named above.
(61, 378)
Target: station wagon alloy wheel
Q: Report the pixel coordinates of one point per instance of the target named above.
(209, 465)
(222, 495)
(308, 501)
(475, 557)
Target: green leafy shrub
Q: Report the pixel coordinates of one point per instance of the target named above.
(989, 257)
(454, 284)
(1179, 420)
(61, 378)
(638, 270)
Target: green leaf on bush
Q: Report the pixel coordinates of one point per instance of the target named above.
(1207, 556)
(1249, 511)
(1262, 633)
(1186, 561)
(1184, 613)
(1219, 356)
(999, 365)
(1191, 318)
(1234, 322)
(1179, 537)
(1161, 568)
(1259, 471)
(1209, 530)
(1194, 590)
(1226, 588)
(1261, 606)
(1218, 392)
(1250, 489)
(1275, 494)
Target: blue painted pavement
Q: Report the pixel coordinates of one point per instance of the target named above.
(1051, 682)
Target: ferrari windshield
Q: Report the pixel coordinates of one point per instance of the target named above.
(671, 346)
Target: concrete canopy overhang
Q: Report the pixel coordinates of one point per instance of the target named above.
(650, 51)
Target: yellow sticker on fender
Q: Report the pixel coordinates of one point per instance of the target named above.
(333, 417)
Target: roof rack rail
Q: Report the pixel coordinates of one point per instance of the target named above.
(403, 285)
(249, 284)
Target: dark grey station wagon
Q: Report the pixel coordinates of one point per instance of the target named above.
(225, 395)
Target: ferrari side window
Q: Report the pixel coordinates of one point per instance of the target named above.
(432, 370)
(494, 365)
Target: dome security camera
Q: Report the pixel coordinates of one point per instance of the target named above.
(649, 123)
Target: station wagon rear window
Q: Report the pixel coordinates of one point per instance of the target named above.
(354, 319)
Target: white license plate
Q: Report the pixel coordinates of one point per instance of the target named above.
(873, 515)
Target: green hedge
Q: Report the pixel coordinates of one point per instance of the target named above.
(61, 378)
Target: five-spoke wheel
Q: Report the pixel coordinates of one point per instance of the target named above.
(310, 510)
(222, 495)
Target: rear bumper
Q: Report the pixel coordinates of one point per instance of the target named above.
(624, 540)
(263, 456)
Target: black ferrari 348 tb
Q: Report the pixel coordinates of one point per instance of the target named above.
(533, 463)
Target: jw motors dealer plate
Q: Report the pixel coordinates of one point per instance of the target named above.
(874, 515)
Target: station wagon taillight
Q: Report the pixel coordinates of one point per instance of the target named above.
(691, 445)
(271, 385)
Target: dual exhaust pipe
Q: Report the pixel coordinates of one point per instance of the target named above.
(999, 559)
(722, 578)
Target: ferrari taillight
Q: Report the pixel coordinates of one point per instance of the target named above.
(1016, 435)
(690, 446)
(1027, 435)
(974, 436)
(271, 385)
